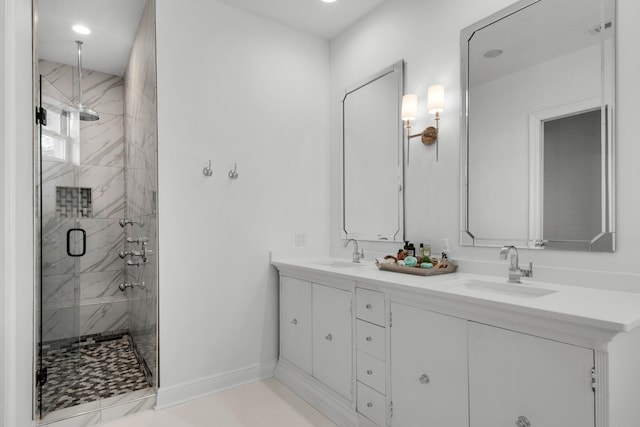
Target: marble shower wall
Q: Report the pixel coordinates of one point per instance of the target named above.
(80, 295)
(141, 149)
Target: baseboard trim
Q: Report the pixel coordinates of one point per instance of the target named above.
(189, 390)
(337, 409)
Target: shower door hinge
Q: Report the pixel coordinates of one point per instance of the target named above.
(41, 116)
(593, 379)
(41, 376)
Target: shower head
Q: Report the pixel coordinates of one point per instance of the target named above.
(86, 113)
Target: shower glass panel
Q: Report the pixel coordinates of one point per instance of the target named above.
(62, 243)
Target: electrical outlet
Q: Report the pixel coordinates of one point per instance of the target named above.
(301, 239)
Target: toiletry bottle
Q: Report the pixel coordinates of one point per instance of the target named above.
(446, 251)
(426, 250)
(408, 246)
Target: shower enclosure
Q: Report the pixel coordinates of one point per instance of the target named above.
(96, 228)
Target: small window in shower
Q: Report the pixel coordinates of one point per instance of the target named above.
(56, 135)
(73, 202)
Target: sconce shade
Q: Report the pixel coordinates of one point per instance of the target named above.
(435, 101)
(409, 107)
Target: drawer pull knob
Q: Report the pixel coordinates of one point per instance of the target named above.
(294, 321)
(369, 404)
(369, 372)
(523, 422)
(329, 337)
(368, 338)
(424, 379)
(368, 306)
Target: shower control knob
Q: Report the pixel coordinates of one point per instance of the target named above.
(329, 337)
(123, 254)
(424, 379)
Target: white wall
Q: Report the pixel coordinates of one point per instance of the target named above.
(233, 88)
(16, 293)
(426, 34)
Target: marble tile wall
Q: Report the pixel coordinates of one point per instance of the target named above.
(141, 148)
(80, 295)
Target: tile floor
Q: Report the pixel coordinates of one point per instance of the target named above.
(266, 403)
(91, 373)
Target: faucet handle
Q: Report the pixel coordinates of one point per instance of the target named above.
(361, 253)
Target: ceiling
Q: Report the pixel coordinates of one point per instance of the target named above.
(114, 23)
(325, 20)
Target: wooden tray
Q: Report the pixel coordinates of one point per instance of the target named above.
(441, 268)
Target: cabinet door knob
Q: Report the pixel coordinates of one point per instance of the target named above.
(522, 422)
(424, 379)
(369, 404)
(294, 321)
(329, 337)
(368, 306)
(368, 338)
(369, 372)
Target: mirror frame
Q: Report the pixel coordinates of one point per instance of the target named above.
(605, 240)
(398, 236)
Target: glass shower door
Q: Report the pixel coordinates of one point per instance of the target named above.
(62, 244)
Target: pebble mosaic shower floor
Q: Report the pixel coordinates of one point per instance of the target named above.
(92, 372)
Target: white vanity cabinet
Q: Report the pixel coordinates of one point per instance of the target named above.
(372, 348)
(317, 354)
(295, 322)
(428, 368)
(523, 380)
(332, 338)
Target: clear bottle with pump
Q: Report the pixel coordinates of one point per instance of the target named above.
(446, 250)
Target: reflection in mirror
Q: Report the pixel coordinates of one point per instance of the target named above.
(372, 153)
(538, 97)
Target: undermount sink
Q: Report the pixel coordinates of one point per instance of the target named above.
(508, 289)
(339, 264)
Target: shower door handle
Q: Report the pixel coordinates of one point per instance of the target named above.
(84, 242)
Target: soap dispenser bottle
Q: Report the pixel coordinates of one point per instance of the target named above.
(446, 250)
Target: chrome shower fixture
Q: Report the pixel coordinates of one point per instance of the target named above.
(86, 113)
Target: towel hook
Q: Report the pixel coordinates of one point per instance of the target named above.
(207, 171)
(233, 174)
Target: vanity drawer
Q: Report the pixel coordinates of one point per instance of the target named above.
(370, 306)
(371, 371)
(371, 339)
(371, 404)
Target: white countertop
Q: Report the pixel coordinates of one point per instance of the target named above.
(609, 311)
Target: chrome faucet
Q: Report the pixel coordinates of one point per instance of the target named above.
(515, 272)
(357, 256)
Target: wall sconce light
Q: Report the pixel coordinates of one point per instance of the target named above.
(435, 105)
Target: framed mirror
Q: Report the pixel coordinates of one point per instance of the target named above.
(537, 137)
(372, 157)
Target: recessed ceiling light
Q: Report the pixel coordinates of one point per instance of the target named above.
(81, 29)
(493, 53)
(329, 1)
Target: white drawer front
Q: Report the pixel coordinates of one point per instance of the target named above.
(371, 339)
(371, 404)
(371, 371)
(370, 306)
